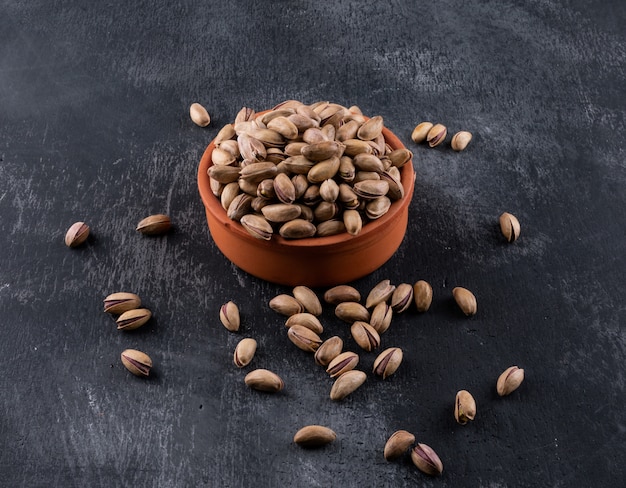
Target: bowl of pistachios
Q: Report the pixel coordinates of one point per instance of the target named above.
(306, 194)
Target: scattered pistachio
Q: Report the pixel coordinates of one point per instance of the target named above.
(307, 320)
(133, 319)
(421, 131)
(199, 115)
(398, 444)
(352, 312)
(509, 225)
(117, 303)
(286, 305)
(308, 299)
(388, 362)
(229, 316)
(346, 384)
(402, 298)
(460, 140)
(264, 380)
(426, 460)
(154, 225)
(381, 317)
(365, 335)
(76, 234)
(244, 352)
(304, 338)
(344, 362)
(464, 407)
(380, 293)
(436, 135)
(341, 293)
(137, 362)
(465, 299)
(314, 436)
(422, 295)
(509, 380)
(328, 351)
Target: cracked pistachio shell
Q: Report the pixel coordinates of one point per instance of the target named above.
(422, 295)
(464, 407)
(304, 338)
(264, 380)
(199, 115)
(133, 319)
(307, 320)
(426, 460)
(286, 305)
(388, 362)
(460, 140)
(221, 157)
(509, 226)
(370, 189)
(399, 157)
(421, 131)
(509, 380)
(402, 298)
(341, 293)
(436, 135)
(257, 226)
(365, 335)
(154, 225)
(76, 234)
(398, 444)
(308, 299)
(346, 384)
(371, 128)
(244, 352)
(465, 299)
(329, 350)
(380, 293)
(314, 436)
(344, 362)
(351, 312)
(117, 303)
(381, 317)
(229, 316)
(284, 188)
(137, 362)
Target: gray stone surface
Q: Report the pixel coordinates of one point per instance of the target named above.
(94, 126)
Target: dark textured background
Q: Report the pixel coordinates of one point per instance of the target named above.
(94, 126)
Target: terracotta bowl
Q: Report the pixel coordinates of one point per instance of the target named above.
(314, 261)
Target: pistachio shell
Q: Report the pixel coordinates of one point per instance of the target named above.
(314, 436)
(464, 407)
(345, 361)
(509, 225)
(284, 188)
(281, 212)
(465, 299)
(371, 129)
(381, 317)
(264, 380)
(368, 162)
(352, 312)
(341, 293)
(257, 226)
(286, 305)
(133, 319)
(421, 131)
(398, 444)
(137, 362)
(365, 335)
(199, 115)
(422, 295)
(426, 460)
(330, 228)
(307, 320)
(304, 338)
(229, 316)
(388, 362)
(117, 303)
(356, 146)
(224, 174)
(370, 189)
(509, 380)
(324, 170)
(308, 299)
(460, 140)
(297, 229)
(376, 208)
(154, 225)
(244, 352)
(436, 135)
(402, 297)
(328, 350)
(380, 293)
(346, 384)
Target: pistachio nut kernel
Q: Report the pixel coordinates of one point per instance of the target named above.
(117, 303)
(304, 338)
(307, 320)
(133, 319)
(346, 384)
(76, 234)
(381, 317)
(460, 140)
(436, 135)
(344, 362)
(388, 362)
(352, 312)
(398, 444)
(286, 305)
(341, 293)
(314, 436)
(229, 316)
(365, 335)
(426, 460)
(154, 225)
(422, 295)
(464, 407)
(380, 293)
(402, 298)
(421, 131)
(509, 226)
(328, 350)
(244, 352)
(465, 299)
(199, 115)
(509, 380)
(137, 362)
(264, 380)
(308, 299)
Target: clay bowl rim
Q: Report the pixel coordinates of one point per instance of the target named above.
(213, 205)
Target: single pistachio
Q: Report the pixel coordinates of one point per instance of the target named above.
(286, 305)
(76, 234)
(325, 211)
(264, 380)
(371, 129)
(380, 293)
(402, 297)
(509, 380)
(324, 170)
(258, 171)
(297, 229)
(396, 190)
(154, 225)
(399, 157)
(426, 460)
(223, 173)
(283, 126)
(136, 362)
(344, 362)
(465, 299)
(281, 212)
(365, 335)
(133, 319)
(222, 158)
(304, 338)
(321, 151)
(388, 362)
(329, 191)
(381, 317)
(284, 188)
(341, 293)
(117, 303)
(347, 171)
(368, 162)
(377, 207)
(313, 135)
(398, 444)
(353, 221)
(347, 130)
(244, 352)
(226, 133)
(421, 131)
(329, 350)
(199, 115)
(422, 295)
(460, 140)
(370, 189)
(351, 312)
(244, 114)
(356, 146)
(307, 320)
(509, 225)
(314, 436)
(436, 135)
(229, 193)
(257, 226)
(229, 316)
(346, 384)
(308, 299)
(239, 206)
(464, 407)
(330, 228)
(250, 147)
